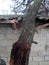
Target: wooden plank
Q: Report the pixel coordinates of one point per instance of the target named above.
(42, 26)
(13, 22)
(9, 21)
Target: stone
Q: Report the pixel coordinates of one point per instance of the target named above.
(43, 53)
(33, 63)
(44, 63)
(46, 58)
(38, 58)
(2, 62)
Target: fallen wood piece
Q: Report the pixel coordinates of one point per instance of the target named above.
(42, 26)
(13, 22)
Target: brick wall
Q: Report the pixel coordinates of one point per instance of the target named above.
(7, 37)
(39, 54)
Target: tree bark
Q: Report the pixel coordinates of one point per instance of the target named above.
(21, 49)
(29, 28)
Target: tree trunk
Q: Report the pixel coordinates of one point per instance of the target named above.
(29, 28)
(21, 49)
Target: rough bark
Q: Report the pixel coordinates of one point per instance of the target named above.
(21, 49)
(29, 28)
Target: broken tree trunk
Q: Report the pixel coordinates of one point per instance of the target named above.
(21, 49)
